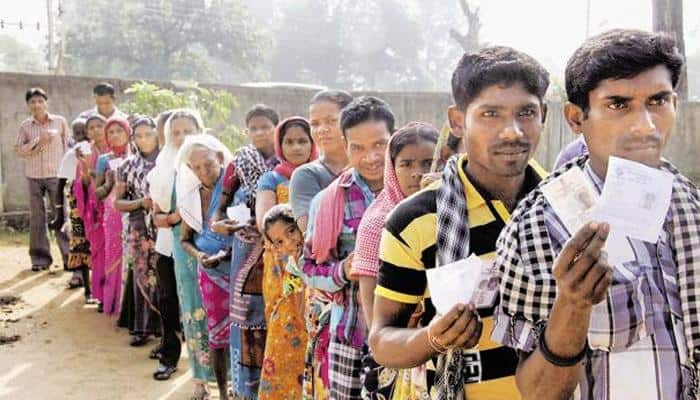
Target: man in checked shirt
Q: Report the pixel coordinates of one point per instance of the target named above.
(42, 142)
(585, 329)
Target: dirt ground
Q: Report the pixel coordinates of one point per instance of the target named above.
(66, 350)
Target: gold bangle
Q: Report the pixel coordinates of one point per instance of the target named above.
(435, 344)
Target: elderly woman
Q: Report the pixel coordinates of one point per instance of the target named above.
(205, 156)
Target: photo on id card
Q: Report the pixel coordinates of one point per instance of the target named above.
(486, 291)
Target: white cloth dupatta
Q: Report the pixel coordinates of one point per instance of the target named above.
(189, 202)
(162, 178)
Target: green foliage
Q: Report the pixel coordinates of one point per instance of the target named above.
(215, 106)
(150, 99)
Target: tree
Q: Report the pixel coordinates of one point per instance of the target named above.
(363, 44)
(159, 39)
(215, 106)
(667, 16)
(470, 40)
(381, 43)
(307, 45)
(16, 56)
(439, 54)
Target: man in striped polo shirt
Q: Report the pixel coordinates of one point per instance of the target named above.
(499, 113)
(42, 142)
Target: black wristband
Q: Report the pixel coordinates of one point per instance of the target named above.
(556, 360)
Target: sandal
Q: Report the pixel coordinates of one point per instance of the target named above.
(138, 341)
(200, 393)
(75, 282)
(164, 372)
(155, 353)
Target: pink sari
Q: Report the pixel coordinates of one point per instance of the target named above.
(90, 210)
(113, 248)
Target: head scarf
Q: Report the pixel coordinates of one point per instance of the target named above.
(118, 150)
(138, 121)
(162, 176)
(189, 202)
(285, 168)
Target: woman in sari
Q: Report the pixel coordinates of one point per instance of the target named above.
(206, 156)
(283, 364)
(140, 256)
(88, 206)
(409, 156)
(117, 131)
(161, 179)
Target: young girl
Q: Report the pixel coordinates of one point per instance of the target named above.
(140, 257)
(89, 207)
(409, 156)
(206, 156)
(117, 133)
(283, 365)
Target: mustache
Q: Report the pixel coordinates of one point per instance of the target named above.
(511, 146)
(651, 139)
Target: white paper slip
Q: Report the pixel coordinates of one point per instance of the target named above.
(635, 199)
(115, 163)
(572, 197)
(618, 248)
(454, 283)
(84, 148)
(239, 213)
(52, 131)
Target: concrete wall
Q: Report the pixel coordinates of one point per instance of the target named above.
(70, 95)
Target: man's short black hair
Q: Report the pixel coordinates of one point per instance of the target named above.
(340, 98)
(618, 54)
(496, 65)
(35, 91)
(366, 108)
(262, 110)
(103, 89)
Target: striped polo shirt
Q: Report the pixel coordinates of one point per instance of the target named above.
(408, 248)
(42, 161)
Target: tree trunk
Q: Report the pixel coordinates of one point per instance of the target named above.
(470, 40)
(667, 16)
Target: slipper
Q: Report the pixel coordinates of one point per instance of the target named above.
(155, 353)
(138, 341)
(75, 282)
(164, 372)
